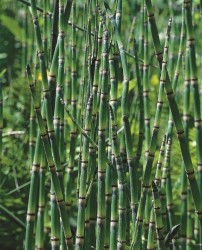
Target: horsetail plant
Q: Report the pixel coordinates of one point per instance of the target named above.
(113, 115)
(108, 192)
(83, 178)
(121, 239)
(186, 119)
(110, 185)
(103, 119)
(163, 193)
(141, 112)
(194, 84)
(145, 79)
(58, 121)
(125, 113)
(51, 164)
(32, 134)
(42, 200)
(151, 233)
(158, 173)
(153, 143)
(73, 133)
(32, 203)
(176, 116)
(158, 217)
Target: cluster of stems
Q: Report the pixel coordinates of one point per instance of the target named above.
(102, 153)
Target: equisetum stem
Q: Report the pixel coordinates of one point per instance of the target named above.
(51, 164)
(125, 114)
(158, 218)
(176, 116)
(150, 156)
(83, 178)
(103, 120)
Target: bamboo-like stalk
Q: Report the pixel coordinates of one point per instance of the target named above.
(108, 184)
(40, 237)
(51, 164)
(47, 103)
(151, 233)
(24, 42)
(93, 194)
(121, 239)
(172, 57)
(58, 120)
(150, 156)
(73, 133)
(33, 195)
(32, 118)
(147, 131)
(142, 34)
(190, 221)
(55, 222)
(81, 120)
(158, 217)
(54, 27)
(171, 125)
(114, 202)
(114, 214)
(131, 35)
(82, 187)
(108, 190)
(91, 210)
(125, 113)
(119, 15)
(176, 116)
(45, 29)
(170, 205)
(32, 134)
(54, 57)
(91, 87)
(164, 183)
(92, 106)
(82, 89)
(96, 72)
(141, 113)
(158, 174)
(141, 122)
(103, 119)
(186, 119)
(195, 88)
(67, 100)
(145, 80)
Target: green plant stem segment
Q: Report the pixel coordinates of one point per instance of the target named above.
(195, 87)
(176, 116)
(103, 120)
(51, 164)
(121, 240)
(80, 243)
(158, 217)
(186, 119)
(73, 132)
(33, 195)
(125, 114)
(41, 204)
(150, 156)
